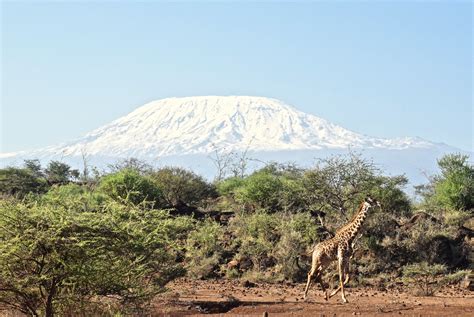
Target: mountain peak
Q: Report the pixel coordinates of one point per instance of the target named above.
(203, 124)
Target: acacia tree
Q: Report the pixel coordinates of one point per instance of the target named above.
(34, 166)
(20, 181)
(51, 257)
(129, 186)
(276, 187)
(337, 185)
(181, 187)
(454, 188)
(131, 164)
(60, 173)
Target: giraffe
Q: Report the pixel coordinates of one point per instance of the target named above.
(339, 247)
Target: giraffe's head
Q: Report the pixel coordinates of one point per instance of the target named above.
(372, 202)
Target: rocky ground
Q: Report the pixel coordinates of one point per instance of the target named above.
(235, 298)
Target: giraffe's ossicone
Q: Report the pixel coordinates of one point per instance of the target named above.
(338, 248)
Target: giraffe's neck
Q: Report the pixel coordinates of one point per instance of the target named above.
(352, 228)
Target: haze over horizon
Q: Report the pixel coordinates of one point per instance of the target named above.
(381, 69)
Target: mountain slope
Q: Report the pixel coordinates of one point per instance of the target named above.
(186, 132)
(193, 125)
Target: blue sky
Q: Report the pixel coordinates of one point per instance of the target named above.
(378, 68)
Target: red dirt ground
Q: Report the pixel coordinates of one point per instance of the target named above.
(218, 297)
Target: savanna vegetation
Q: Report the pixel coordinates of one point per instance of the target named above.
(95, 243)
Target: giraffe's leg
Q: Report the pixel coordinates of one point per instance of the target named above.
(310, 277)
(320, 280)
(346, 273)
(341, 260)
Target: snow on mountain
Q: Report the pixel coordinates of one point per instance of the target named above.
(198, 125)
(187, 131)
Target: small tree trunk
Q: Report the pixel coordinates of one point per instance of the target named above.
(49, 312)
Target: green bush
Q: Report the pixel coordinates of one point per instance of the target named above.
(60, 173)
(75, 197)
(255, 235)
(273, 242)
(229, 186)
(181, 187)
(261, 190)
(298, 232)
(337, 185)
(129, 186)
(51, 257)
(19, 182)
(273, 188)
(455, 187)
(423, 277)
(204, 249)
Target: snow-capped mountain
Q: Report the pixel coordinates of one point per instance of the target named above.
(185, 131)
(179, 126)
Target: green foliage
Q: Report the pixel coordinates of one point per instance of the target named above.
(297, 233)
(51, 257)
(423, 277)
(274, 242)
(273, 188)
(455, 277)
(261, 189)
(453, 189)
(78, 242)
(129, 186)
(204, 249)
(182, 187)
(256, 235)
(32, 178)
(60, 173)
(229, 186)
(74, 197)
(19, 182)
(337, 185)
(389, 193)
(34, 166)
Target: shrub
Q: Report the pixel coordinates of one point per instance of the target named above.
(273, 188)
(52, 257)
(298, 232)
(456, 217)
(129, 186)
(20, 181)
(60, 173)
(273, 243)
(204, 249)
(229, 186)
(74, 197)
(453, 188)
(255, 236)
(262, 190)
(423, 240)
(337, 185)
(423, 277)
(182, 187)
(455, 277)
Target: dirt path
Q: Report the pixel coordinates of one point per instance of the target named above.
(232, 298)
